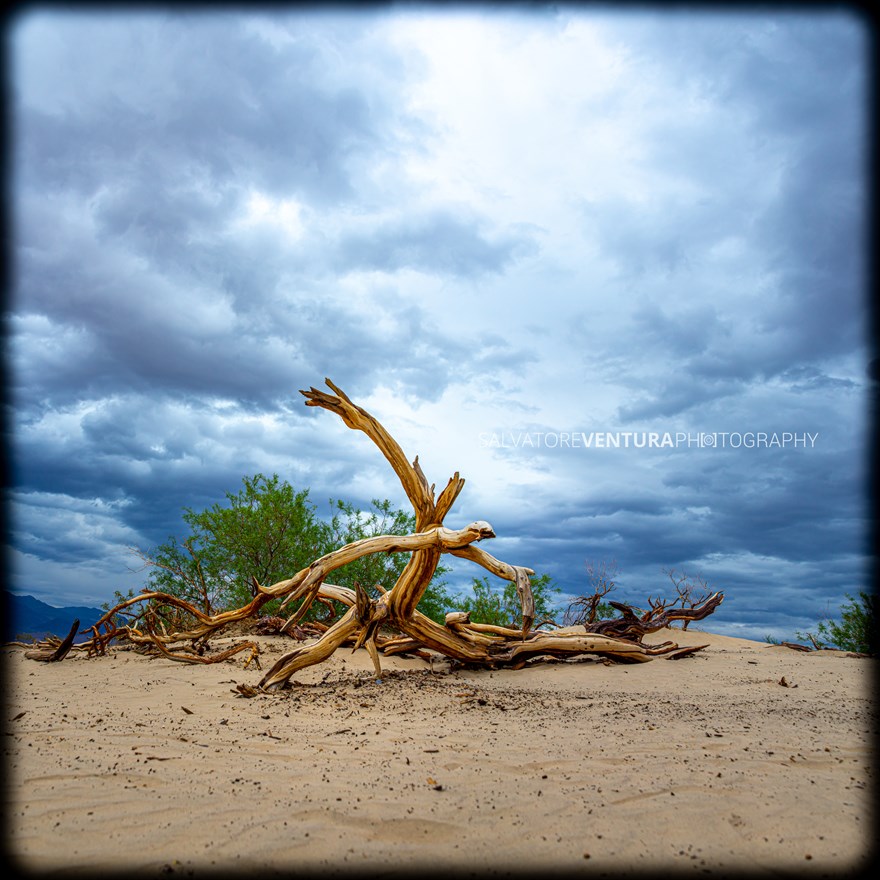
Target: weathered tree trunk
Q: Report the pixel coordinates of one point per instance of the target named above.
(397, 608)
(52, 653)
(459, 639)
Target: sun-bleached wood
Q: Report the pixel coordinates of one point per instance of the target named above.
(367, 622)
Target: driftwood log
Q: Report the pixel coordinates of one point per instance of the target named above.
(367, 621)
(52, 650)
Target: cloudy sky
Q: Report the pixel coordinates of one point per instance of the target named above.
(506, 234)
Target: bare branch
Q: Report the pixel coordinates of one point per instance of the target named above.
(170, 622)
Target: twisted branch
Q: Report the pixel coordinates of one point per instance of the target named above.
(396, 609)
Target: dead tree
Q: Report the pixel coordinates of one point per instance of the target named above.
(585, 609)
(692, 591)
(53, 649)
(367, 621)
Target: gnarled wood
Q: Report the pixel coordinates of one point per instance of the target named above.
(658, 616)
(50, 655)
(366, 620)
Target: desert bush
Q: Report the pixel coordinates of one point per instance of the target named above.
(855, 631)
(268, 531)
(502, 607)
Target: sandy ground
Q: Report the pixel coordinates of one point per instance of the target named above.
(130, 765)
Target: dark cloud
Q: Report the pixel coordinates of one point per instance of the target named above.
(678, 394)
(125, 202)
(213, 211)
(442, 241)
(216, 105)
(780, 186)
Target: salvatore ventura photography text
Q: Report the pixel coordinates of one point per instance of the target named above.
(648, 439)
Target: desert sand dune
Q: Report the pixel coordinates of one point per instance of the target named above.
(743, 757)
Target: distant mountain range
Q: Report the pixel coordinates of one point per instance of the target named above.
(25, 615)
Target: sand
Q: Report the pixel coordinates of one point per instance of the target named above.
(131, 765)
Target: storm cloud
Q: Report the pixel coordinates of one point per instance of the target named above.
(483, 224)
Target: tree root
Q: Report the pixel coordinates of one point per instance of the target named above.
(53, 650)
(366, 620)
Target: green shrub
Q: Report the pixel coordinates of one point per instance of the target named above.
(268, 532)
(503, 607)
(855, 631)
